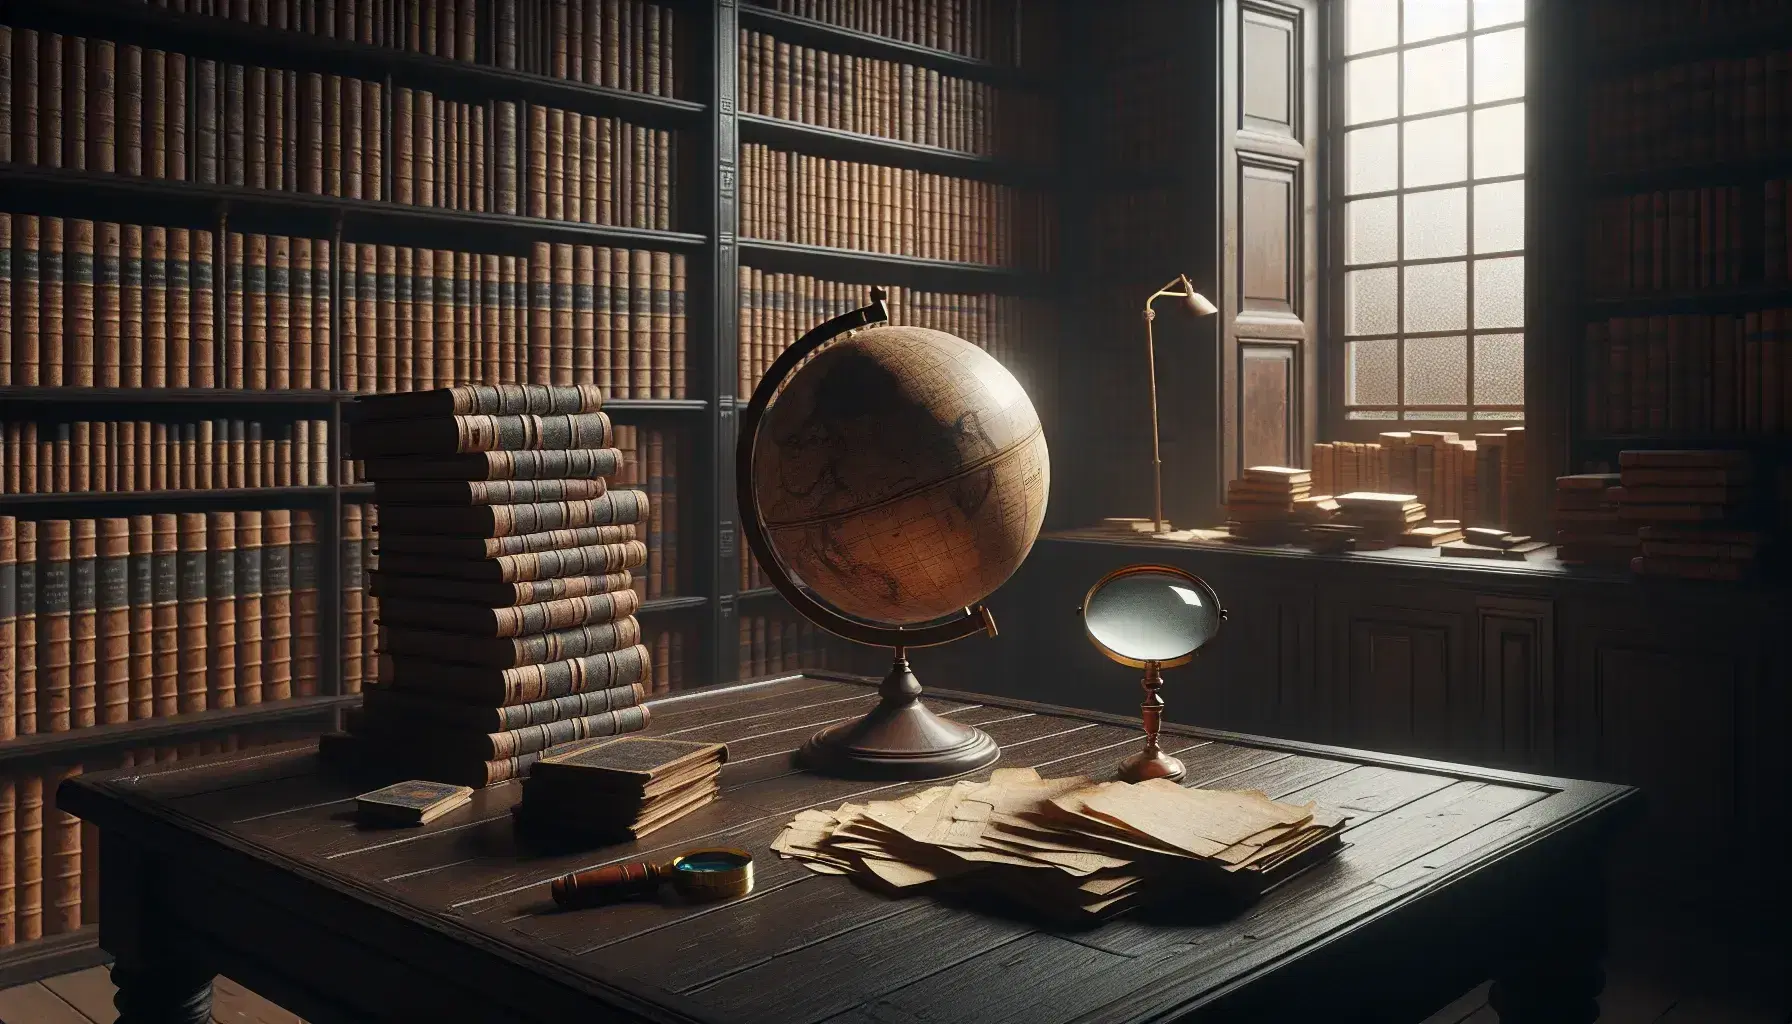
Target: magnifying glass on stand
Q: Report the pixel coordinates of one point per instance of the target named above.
(718, 873)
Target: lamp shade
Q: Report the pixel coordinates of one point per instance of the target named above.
(1197, 303)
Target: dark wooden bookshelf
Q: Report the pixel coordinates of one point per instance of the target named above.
(1738, 299)
(1747, 37)
(705, 210)
(1752, 171)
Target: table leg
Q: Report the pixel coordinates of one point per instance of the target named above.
(162, 994)
(1553, 973)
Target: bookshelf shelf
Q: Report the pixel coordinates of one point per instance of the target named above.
(674, 604)
(194, 204)
(843, 145)
(1746, 36)
(1735, 172)
(758, 593)
(796, 256)
(224, 39)
(202, 496)
(1725, 300)
(821, 34)
(164, 396)
(48, 746)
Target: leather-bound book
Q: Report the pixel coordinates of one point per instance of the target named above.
(527, 465)
(540, 297)
(109, 363)
(247, 572)
(141, 567)
(29, 860)
(166, 651)
(62, 860)
(640, 298)
(27, 310)
(404, 327)
(387, 585)
(521, 620)
(236, 312)
(74, 103)
(54, 641)
(536, 165)
(353, 582)
(113, 593)
(366, 755)
(9, 834)
(482, 400)
(205, 372)
(596, 560)
(442, 283)
(493, 547)
(50, 292)
(177, 299)
(446, 711)
(25, 631)
(6, 262)
(466, 493)
(279, 300)
(490, 688)
(679, 326)
(423, 319)
(193, 605)
(559, 645)
(628, 765)
(9, 611)
(489, 326)
(457, 745)
(561, 317)
(306, 666)
(276, 605)
(299, 289)
(613, 507)
(256, 313)
(175, 136)
(221, 610)
(78, 274)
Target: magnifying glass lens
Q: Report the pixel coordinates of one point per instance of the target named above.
(711, 862)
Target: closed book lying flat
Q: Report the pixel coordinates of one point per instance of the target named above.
(487, 400)
(460, 493)
(393, 704)
(534, 465)
(377, 759)
(603, 828)
(457, 435)
(597, 560)
(559, 645)
(629, 761)
(524, 684)
(410, 803)
(495, 594)
(457, 745)
(613, 507)
(641, 798)
(392, 543)
(511, 621)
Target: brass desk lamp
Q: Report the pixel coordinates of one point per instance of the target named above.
(1197, 303)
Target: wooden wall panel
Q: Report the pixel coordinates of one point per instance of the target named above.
(1516, 661)
(1397, 670)
(1268, 226)
(1266, 404)
(1269, 69)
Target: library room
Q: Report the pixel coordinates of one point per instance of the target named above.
(757, 511)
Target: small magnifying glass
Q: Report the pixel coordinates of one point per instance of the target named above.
(718, 873)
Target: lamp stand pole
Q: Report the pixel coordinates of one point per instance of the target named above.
(1157, 462)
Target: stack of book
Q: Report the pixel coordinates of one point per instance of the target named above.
(1384, 519)
(619, 789)
(1261, 505)
(506, 613)
(1694, 510)
(1589, 528)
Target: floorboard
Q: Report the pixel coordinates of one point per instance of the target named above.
(88, 991)
(85, 997)
(37, 1004)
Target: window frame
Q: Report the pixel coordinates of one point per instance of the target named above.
(1333, 355)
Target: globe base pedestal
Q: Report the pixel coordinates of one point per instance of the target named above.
(899, 739)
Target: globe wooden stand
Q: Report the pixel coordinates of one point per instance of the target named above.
(900, 738)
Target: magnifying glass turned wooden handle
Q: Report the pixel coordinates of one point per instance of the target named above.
(609, 884)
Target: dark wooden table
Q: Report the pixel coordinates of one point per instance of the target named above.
(250, 865)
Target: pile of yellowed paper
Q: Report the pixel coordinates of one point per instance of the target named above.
(1072, 848)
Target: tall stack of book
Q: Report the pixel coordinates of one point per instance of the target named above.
(1696, 511)
(1589, 528)
(1261, 506)
(1384, 519)
(506, 612)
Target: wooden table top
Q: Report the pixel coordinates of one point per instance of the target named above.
(805, 947)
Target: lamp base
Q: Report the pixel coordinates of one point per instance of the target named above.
(898, 739)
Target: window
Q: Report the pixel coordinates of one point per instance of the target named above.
(1428, 285)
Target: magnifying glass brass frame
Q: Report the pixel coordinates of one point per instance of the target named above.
(1150, 762)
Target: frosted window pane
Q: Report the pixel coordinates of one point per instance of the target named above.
(1428, 19)
(1436, 371)
(1369, 302)
(1499, 369)
(1370, 25)
(1499, 141)
(1510, 415)
(1372, 89)
(1499, 66)
(1437, 224)
(1499, 292)
(1489, 13)
(1439, 415)
(1371, 377)
(1499, 217)
(1436, 297)
(1372, 414)
(1371, 159)
(1437, 77)
(1370, 231)
(1436, 150)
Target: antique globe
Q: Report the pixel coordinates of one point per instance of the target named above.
(888, 485)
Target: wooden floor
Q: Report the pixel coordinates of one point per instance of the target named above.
(1658, 973)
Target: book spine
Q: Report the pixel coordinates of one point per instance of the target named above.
(62, 860)
(166, 573)
(306, 669)
(142, 625)
(28, 859)
(50, 330)
(113, 594)
(55, 644)
(9, 612)
(221, 610)
(277, 605)
(353, 583)
(108, 354)
(193, 605)
(9, 832)
(280, 312)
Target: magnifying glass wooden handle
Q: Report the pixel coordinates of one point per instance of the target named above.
(609, 884)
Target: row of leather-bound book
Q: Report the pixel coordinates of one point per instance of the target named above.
(140, 455)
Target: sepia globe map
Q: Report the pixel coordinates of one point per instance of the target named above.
(901, 475)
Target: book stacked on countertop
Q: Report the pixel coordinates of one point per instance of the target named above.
(618, 789)
(1589, 528)
(1384, 519)
(506, 615)
(1696, 511)
(1270, 504)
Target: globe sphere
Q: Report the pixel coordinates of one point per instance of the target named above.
(901, 475)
